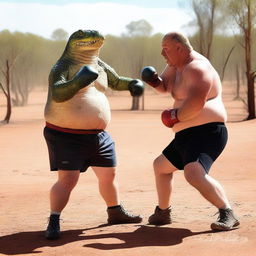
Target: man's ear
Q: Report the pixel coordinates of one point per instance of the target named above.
(178, 47)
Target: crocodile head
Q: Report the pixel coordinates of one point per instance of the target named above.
(84, 40)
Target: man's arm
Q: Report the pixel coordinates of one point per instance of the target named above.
(168, 77)
(198, 80)
(161, 83)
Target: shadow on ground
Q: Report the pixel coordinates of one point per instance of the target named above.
(32, 242)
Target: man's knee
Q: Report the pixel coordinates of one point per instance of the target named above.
(194, 173)
(163, 166)
(109, 178)
(68, 179)
(107, 175)
(157, 165)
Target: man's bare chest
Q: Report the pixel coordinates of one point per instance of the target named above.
(179, 88)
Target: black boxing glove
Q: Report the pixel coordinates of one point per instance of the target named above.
(85, 76)
(136, 87)
(150, 76)
(63, 90)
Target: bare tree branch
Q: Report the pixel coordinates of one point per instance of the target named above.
(5, 93)
(226, 62)
(4, 74)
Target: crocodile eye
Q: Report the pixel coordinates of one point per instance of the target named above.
(80, 32)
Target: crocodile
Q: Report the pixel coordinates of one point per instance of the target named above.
(78, 82)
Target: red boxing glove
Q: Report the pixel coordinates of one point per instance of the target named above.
(169, 117)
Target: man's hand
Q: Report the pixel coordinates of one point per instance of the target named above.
(169, 117)
(136, 87)
(150, 76)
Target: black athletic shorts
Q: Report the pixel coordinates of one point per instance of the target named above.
(203, 144)
(68, 151)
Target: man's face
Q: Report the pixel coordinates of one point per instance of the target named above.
(170, 51)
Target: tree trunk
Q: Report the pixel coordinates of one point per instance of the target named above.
(135, 103)
(210, 29)
(251, 97)
(143, 101)
(8, 95)
(248, 58)
(237, 83)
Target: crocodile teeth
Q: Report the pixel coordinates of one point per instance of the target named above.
(86, 43)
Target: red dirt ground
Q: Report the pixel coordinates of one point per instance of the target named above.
(25, 182)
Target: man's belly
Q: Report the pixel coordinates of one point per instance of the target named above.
(88, 109)
(213, 111)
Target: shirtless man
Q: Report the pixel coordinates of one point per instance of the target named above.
(77, 113)
(198, 119)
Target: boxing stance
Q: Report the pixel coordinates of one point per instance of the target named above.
(77, 113)
(198, 119)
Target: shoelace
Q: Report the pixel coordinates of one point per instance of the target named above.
(223, 216)
(127, 213)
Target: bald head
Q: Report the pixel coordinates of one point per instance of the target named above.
(178, 38)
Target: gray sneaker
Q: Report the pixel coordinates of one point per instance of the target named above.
(225, 221)
(160, 217)
(118, 215)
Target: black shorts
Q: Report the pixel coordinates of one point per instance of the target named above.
(68, 151)
(203, 144)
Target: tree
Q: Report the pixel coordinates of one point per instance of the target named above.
(205, 11)
(244, 12)
(139, 28)
(208, 16)
(139, 31)
(59, 35)
(7, 93)
(128, 55)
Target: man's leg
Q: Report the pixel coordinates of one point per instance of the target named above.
(164, 181)
(212, 191)
(107, 184)
(109, 191)
(59, 196)
(60, 191)
(209, 188)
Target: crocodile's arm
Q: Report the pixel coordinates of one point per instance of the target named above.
(63, 89)
(115, 81)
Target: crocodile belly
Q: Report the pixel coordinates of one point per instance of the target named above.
(88, 109)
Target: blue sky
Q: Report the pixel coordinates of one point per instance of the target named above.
(109, 17)
(144, 3)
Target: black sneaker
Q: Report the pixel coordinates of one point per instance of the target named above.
(160, 217)
(225, 221)
(53, 228)
(118, 215)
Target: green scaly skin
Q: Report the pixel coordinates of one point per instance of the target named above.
(82, 49)
(115, 82)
